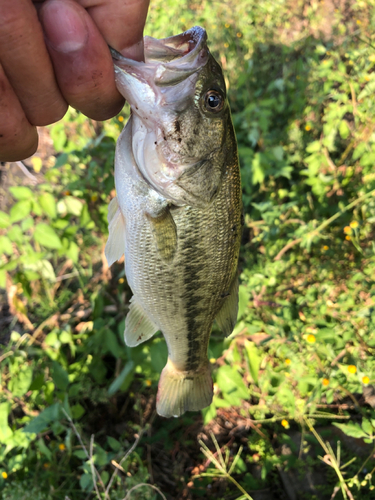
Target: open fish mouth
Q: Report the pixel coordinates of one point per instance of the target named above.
(168, 61)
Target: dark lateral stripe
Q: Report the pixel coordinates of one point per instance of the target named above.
(193, 264)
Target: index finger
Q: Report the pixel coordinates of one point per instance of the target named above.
(121, 23)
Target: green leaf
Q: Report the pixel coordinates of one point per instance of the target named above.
(114, 444)
(40, 444)
(3, 278)
(367, 427)
(15, 234)
(21, 192)
(73, 205)
(48, 204)
(231, 384)
(117, 383)
(46, 236)
(20, 210)
(352, 429)
(5, 430)
(43, 420)
(77, 411)
(243, 300)
(209, 413)
(5, 245)
(344, 129)
(20, 382)
(37, 382)
(4, 220)
(111, 344)
(253, 359)
(60, 376)
(86, 482)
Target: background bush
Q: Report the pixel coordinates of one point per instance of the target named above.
(299, 367)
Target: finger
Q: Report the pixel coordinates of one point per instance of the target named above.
(18, 139)
(81, 59)
(121, 23)
(26, 63)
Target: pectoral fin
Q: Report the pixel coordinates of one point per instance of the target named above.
(227, 316)
(138, 327)
(114, 248)
(164, 231)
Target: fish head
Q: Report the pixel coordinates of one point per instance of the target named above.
(180, 116)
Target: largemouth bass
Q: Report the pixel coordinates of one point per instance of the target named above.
(178, 212)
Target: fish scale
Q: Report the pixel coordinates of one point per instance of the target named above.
(178, 224)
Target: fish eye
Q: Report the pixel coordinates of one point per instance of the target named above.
(213, 101)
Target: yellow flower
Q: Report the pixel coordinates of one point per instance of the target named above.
(325, 382)
(307, 128)
(94, 197)
(354, 224)
(367, 78)
(61, 446)
(226, 45)
(121, 280)
(120, 118)
(352, 369)
(358, 21)
(148, 383)
(239, 35)
(347, 229)
(347, 237)
(311, 338)
(227, 25)
(4, 475)
(365, 380)
(325, 248)
(212, 361)
(285, 423)
(287, 361)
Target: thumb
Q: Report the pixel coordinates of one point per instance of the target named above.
(121, 23)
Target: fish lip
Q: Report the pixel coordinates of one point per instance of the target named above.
(173, 59)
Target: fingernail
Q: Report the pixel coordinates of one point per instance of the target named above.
(64, 26)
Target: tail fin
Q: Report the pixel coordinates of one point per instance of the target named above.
(183, 391)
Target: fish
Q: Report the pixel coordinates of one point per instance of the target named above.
(177, 216)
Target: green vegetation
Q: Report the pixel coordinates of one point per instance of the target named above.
(294, 405)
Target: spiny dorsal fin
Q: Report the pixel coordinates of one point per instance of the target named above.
(138, 327)
(227, 316)
(164, 231)
(114, 248)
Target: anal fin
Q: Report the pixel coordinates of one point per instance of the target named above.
(164, 232)
(115, 246)
(227, 316)
(138, 326)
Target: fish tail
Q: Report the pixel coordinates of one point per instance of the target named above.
(181, 391)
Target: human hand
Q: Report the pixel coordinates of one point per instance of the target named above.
(54, 53)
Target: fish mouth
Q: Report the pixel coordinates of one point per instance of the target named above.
(168, 61)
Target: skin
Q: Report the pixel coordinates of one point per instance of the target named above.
(54, 53)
